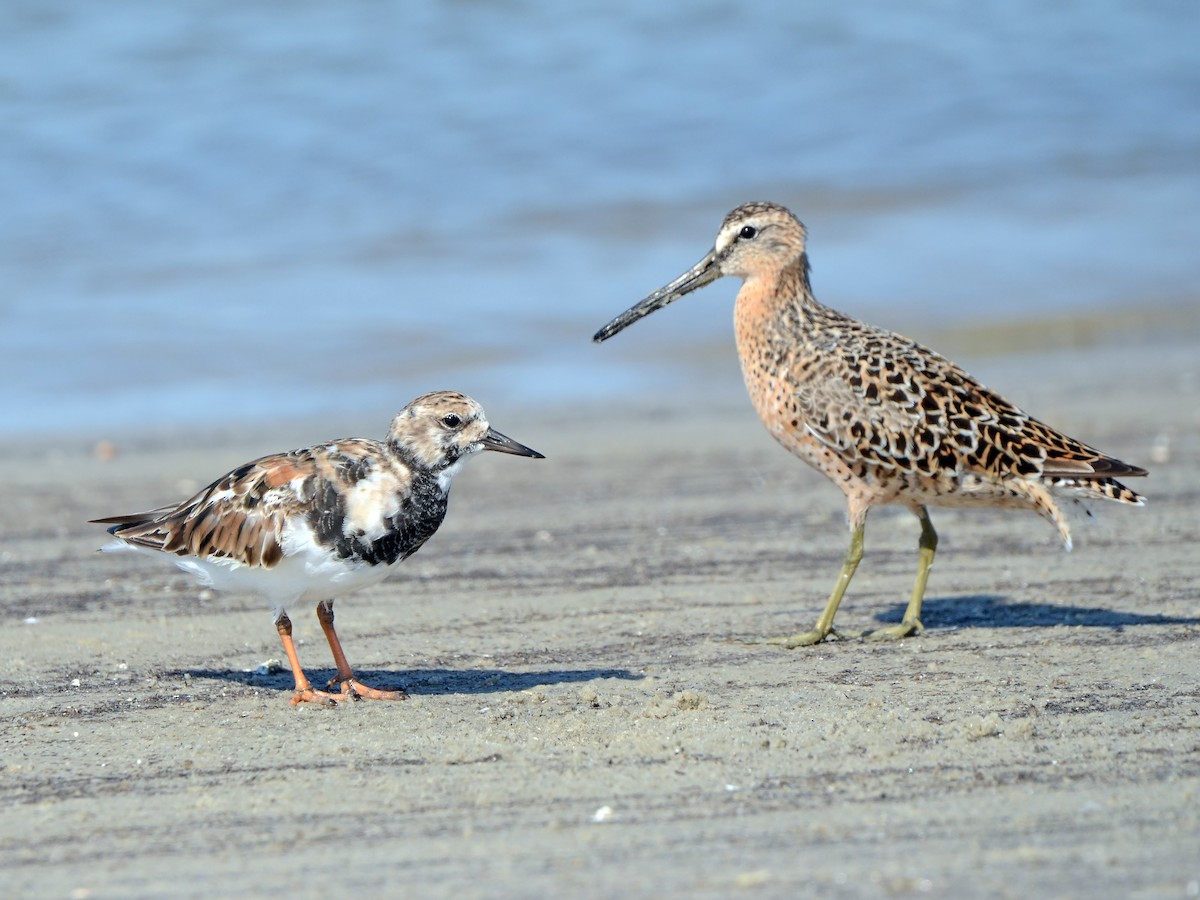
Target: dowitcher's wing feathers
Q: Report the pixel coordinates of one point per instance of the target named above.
(1068, 457)
(875, 399)
(887, 401)
(859, 425)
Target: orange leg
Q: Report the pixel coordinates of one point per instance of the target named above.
(351, 686)
(305, 692)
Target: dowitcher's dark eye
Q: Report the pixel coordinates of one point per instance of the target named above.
(748, 233)
(451, 420)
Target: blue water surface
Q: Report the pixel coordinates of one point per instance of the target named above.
(228, 211)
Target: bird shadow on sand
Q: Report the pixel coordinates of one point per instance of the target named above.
(993, 611)
(420, 682)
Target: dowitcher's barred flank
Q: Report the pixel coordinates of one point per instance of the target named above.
(884, 418)
(317, 523)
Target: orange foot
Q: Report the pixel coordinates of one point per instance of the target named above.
(310, 694)
(353, 689)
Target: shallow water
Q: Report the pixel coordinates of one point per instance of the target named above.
(233, 211)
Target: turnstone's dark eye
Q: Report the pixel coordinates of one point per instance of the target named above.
(748, 232)
(451, 420)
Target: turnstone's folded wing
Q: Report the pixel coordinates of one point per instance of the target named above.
(239, 517)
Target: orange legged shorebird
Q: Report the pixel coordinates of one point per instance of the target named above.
(885, 419)
(317, 523)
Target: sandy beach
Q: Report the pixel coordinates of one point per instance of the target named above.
(587, 717)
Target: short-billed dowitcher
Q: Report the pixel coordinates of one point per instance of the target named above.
(317, 523)
(887, 420)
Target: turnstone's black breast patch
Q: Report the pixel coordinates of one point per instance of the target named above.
(421, 512)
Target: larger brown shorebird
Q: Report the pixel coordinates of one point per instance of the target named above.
(885, 419)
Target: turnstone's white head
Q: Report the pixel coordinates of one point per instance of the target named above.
(437, 430)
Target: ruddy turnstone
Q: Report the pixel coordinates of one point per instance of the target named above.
(887, 420)
(323, 521)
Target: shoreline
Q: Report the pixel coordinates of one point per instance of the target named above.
(669, 364)
(585, 715)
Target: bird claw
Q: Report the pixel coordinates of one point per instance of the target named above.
(353, 689)
(319, 698)
(803, 639)
(897, 631)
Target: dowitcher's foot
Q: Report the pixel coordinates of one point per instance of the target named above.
(897, 631)
(803, 639)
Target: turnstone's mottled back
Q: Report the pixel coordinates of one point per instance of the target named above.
(884, 418)
(316, 523)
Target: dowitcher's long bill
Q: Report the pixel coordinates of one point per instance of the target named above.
(317, 523)
(704, 272)
(886, 419)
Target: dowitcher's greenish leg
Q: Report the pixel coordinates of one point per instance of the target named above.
(911, 623)
(824, 626)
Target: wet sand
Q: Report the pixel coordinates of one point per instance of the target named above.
(586, 718)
